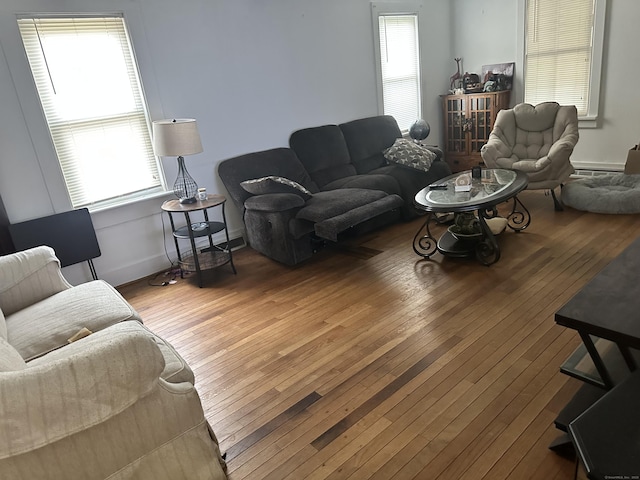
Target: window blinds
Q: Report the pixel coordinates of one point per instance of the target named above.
(558, 56)
(88, 85)
(400, 65)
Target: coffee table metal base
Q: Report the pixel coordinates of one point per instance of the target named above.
(485, 248)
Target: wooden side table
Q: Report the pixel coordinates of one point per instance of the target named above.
(209, 257)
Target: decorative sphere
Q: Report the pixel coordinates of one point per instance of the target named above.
(419, 130)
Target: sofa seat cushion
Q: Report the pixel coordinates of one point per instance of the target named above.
(274, 202)
(328, 204)
(386, 183)
(48, 324)
(175, 369)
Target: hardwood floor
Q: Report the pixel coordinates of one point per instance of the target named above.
(369, 362)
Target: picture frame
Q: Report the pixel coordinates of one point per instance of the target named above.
(502, 71)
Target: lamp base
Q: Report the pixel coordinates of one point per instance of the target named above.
(185, 187)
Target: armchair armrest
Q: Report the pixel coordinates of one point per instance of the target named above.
(495, 148)
(29, 276)
(562, 149)
(75, 388)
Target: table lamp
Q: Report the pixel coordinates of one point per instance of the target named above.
(178, 137)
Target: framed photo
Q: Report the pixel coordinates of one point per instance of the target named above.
(502, 74)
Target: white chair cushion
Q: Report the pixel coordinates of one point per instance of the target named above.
(48, 324)
(175, 369)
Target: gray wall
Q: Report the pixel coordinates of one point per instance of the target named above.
(251, 72)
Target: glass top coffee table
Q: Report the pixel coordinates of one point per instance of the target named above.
(475, 200)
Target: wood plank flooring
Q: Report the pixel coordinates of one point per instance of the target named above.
(367, 362)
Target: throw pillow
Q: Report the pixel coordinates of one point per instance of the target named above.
(410, 154)
(274, 184)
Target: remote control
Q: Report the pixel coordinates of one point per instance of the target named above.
(438, 186)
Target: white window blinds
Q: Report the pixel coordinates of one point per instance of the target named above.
(400, 66)
(559, 52)
(90, 92)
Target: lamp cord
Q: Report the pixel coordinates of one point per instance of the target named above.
(173, 270)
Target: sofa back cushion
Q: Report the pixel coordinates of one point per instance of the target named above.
(323, 152)
(10, 359)
(281, 162)
(366, 138)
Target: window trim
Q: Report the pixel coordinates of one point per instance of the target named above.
(49, 176)
(394, 8)
(61, 141)
(591, 119)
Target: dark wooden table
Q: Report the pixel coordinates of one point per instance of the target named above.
(606, 315)
(608, 307)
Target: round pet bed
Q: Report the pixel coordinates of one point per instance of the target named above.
(618, 193)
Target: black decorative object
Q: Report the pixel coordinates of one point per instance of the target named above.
(419, 130)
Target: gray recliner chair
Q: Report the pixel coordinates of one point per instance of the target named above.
(537, 140)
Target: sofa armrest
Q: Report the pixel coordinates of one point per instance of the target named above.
(75, 388)
(29, 276)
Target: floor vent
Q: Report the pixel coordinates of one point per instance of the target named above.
(592, 173)
(236, 243)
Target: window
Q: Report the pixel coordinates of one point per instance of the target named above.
(398, 63)
(563, 53)
(89, 88)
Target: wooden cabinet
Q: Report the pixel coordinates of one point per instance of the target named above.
(468, 121)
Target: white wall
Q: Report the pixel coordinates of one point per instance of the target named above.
(249, 71)
(486, 31)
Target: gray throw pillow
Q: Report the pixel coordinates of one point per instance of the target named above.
(275, 184)
(410, 154)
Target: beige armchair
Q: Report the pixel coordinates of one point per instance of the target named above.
(119, 403)
(537, 140)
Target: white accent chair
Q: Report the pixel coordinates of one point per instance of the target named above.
(537, 140)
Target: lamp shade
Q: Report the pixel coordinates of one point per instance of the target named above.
(176, 137)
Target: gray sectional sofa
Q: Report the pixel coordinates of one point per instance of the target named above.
(340, 182)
